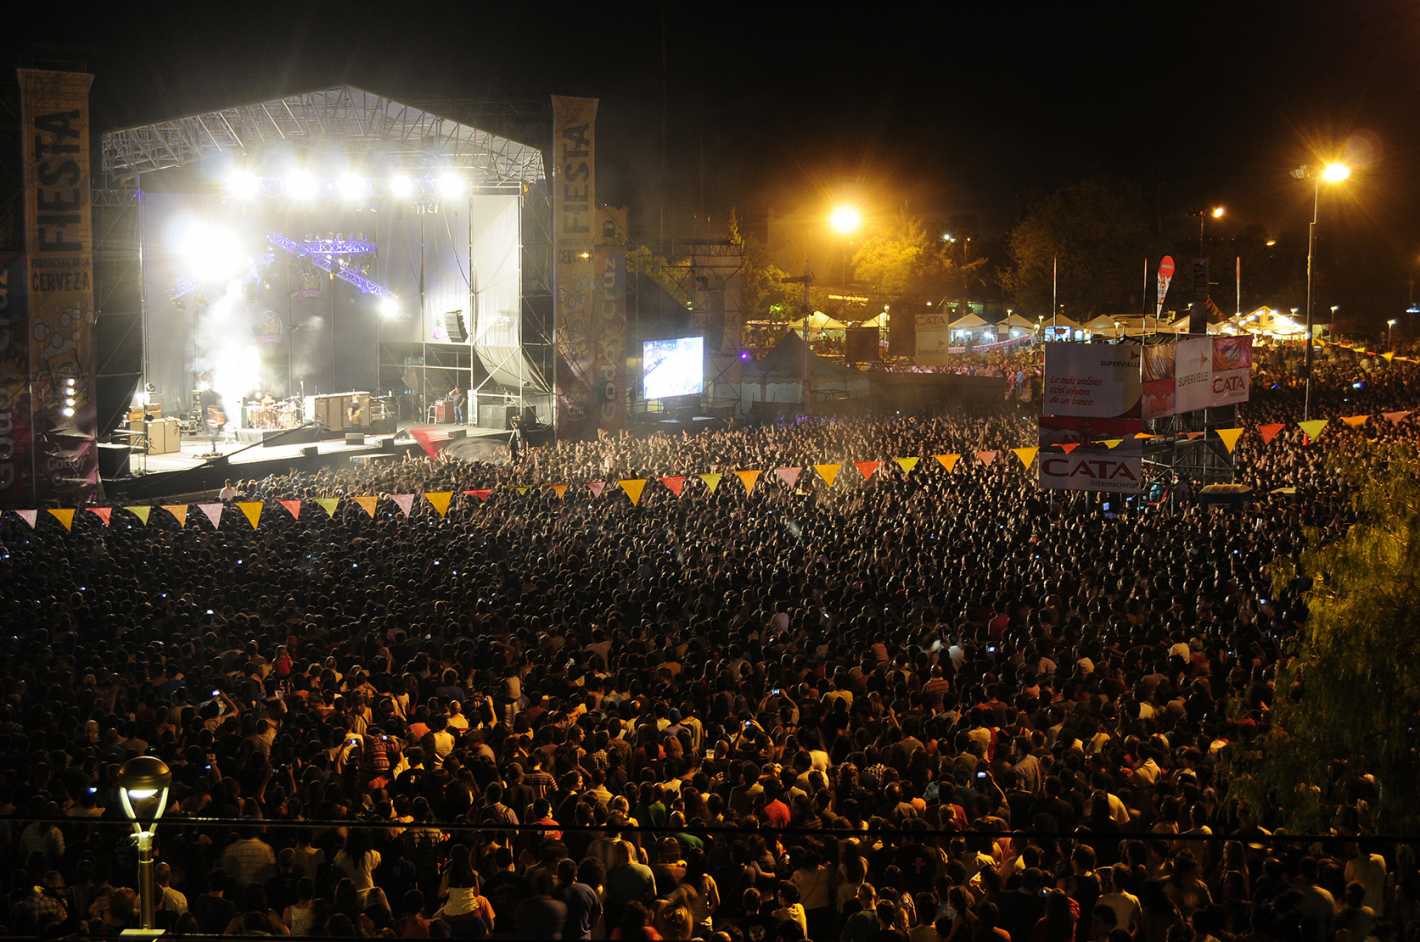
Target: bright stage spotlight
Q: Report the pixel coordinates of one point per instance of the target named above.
(450, 185)
(353, 187)
(301, 185)
(389, 307)
(242, 184)
(210, 254)
(402, 186)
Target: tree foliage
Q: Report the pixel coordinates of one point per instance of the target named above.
(1098, 231)
(898, 258)
(1350, 690)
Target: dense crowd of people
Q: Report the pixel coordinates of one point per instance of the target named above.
(932, 707)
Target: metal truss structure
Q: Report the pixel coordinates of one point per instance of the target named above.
(329, 256)
(342, 114)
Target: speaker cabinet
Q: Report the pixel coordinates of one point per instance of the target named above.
(454, 327)
(354, 438)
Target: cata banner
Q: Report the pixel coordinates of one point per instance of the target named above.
(59, 245)
(579, 391)
(1096, 380)
(1080, 454)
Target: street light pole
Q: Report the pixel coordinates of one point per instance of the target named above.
(143, 791)
(1311, 246)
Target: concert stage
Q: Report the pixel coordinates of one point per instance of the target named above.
(190, 470)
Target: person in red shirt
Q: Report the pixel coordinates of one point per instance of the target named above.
(773, 810)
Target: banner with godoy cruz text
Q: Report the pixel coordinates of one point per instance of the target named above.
(16, 436)
(54, 134)
(610, 310)
(579, 389)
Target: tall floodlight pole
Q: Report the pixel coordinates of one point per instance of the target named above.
(1331, 173)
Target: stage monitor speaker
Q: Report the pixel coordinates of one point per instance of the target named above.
(354, 438)
(510, 415)
(310, 451)
(387, 444)
(457, 433)
(454, 326)
(113, 461)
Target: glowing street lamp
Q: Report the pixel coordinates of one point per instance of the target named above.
(845, 219)
(143, 790)
(1217, 212)
(1333, 173)
(1389, 326)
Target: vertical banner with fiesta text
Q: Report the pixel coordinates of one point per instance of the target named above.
(610, 266)
(579, 393)
(16, 436)
(54, 134)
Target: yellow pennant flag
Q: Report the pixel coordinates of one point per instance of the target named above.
(179, 512)
(367, 503)
(439, 500)
(1112, 443)
(907, 464)
(1355, 421)
(829, 472)
(140, 512)
(559, 489)
(1027, 455)
(711, 479)
(1230, 437)
(328, 504)
(948, 461)
(251, 509)
(633, 488)
(747, 478)
(1313, 428)
(1388, 355)
(64, 515)
(522, 489)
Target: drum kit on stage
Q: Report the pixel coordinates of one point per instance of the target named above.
(272, 414)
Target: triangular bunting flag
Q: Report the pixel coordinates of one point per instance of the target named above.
(439, 500)
(1144, 436)
(633, 488)
(948, 461)
(522, 489)
(328, 504)
(179, 512)
(482, 493)
(790, 476)
(367, 503)
(866, 468)
(251, 509)
(1313, 428)
(1269, 431)
(986, 457)
(907, 464)
(29, 516)
(1193, 436)
(1396, 417)
(103, 513)
(141, 512)
(711, 479)
(829, 472)
(1068, 447)
(1230, 437)
(1112, 443)
(559, 489)
(747, 478)
(64, 515)
(405, 503)
(1355, 421)
(1027, 455)
(674, 483)
(596, 487)
(293, 507)
(1388, 356)
(213, 512)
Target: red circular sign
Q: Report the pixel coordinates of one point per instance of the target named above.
(1166, 267)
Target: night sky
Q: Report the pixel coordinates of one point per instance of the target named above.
(951, 113)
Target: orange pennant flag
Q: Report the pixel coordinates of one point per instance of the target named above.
(675, 483)
(483, 493)
(1269, 431)
(64, 515)
(948, 461)
(1193, 436)
(633, 488)
(1230, 437)
(1396, 417)
(711, 479)
(907, 464)
(439, 500)
(328, 504)
(367, 503)
(829, 472)
(1068, 447)
(293, 507)
(866, 468)
(179, 512)
(1027, 455)
(103, 513)
(251, 509)
(559, 489)
(986, 457)
(1355, 421)
(1313, 428)
(747, 478)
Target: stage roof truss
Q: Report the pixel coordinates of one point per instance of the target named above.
(340, 114)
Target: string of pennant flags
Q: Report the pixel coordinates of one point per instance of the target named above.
(635, 488)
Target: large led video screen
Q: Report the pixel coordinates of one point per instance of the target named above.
(673, 367)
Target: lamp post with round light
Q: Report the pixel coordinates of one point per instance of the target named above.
(1333, 173)
(1389, 326)
(143, 791)
(1216, 212)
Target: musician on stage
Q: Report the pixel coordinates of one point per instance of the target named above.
(455, 397)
